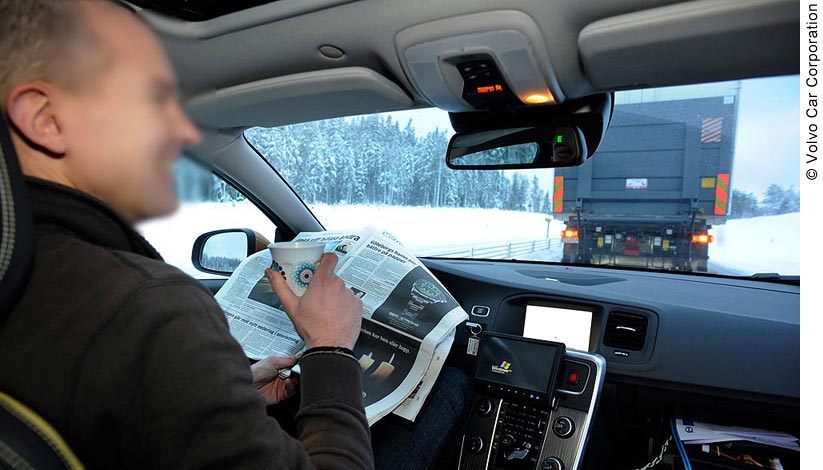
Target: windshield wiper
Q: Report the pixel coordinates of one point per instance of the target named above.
(776, 277)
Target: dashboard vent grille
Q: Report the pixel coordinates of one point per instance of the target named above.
(626, 331)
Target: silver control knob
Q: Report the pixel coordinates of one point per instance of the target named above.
(563, 427)
(485, 407)
(475, 444)
(552, 463)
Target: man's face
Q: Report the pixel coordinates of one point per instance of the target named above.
(125, 128)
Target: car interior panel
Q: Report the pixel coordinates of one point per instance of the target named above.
(586, 348)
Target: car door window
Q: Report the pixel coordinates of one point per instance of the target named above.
(207, 202)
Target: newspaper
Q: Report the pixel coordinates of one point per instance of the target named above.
(692, 432)
(408, 317)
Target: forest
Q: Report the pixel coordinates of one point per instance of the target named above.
(373, 160)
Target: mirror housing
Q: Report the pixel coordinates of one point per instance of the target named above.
(536, 137)
(522, 147)
(221, 251)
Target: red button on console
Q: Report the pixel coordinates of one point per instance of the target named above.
(572, 379)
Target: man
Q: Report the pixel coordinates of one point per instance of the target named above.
(130, 359)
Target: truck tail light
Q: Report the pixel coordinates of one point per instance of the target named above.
(702, 238)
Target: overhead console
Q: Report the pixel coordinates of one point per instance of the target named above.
(471, 62)
(534, 405)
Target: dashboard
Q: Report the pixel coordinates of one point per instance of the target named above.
(677, 330)
(648, 346)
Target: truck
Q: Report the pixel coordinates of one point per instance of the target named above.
(655, 187)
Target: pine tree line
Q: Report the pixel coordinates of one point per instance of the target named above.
(776, 200)
(372, 160)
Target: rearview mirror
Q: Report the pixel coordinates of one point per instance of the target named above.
(519, 147)
(529, 137)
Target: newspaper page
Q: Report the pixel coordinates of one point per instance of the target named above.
(408, 316)
(255, 315)
(411, 406)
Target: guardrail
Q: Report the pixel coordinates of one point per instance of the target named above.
(497, 251)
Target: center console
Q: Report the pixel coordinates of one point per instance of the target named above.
(534, 406)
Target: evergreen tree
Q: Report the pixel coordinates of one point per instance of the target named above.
(777, 200)
(535, 195)
(744, 205)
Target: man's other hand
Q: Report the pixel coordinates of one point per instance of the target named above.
(328, 314)
(265, 378)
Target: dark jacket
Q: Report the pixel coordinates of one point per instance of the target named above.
(132, 361)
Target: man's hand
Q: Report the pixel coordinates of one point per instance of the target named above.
(328, 314)
(265, 380)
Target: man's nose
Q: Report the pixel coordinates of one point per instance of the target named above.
(186, 130)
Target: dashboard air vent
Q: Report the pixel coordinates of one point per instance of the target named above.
(625, 331)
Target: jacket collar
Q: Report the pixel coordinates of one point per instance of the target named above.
(57, 208)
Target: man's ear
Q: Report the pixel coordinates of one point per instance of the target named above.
(32, 115)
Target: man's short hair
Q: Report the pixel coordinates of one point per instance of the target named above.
(44, 40)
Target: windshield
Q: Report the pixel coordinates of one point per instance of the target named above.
(695, 178)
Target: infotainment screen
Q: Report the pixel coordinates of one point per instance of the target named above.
(563, 325)
(520, 367)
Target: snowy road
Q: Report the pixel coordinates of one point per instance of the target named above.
(717, 268)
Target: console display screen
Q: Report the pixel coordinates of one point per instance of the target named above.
(518, 362)
(563, 325)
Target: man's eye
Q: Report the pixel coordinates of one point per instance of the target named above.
(160, 97)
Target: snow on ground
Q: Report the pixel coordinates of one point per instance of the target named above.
(758, 245)
(424, 230)
(427, 230)
(741, 247)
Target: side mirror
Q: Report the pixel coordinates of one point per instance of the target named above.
(221, 251)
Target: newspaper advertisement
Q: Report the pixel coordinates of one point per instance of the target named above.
(408, 317)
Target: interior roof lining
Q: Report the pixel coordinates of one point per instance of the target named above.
(365, 30)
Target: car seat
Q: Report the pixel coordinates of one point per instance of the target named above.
(26, 440)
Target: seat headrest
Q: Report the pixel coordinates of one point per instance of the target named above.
(16, 236)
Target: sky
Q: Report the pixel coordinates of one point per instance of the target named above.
(767, 137)
(768, 134)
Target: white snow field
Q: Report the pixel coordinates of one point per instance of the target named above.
(768, 244)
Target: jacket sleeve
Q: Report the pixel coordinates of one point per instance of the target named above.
(180, 392)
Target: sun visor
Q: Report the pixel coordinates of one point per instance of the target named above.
(298, 98)
(700, 41)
